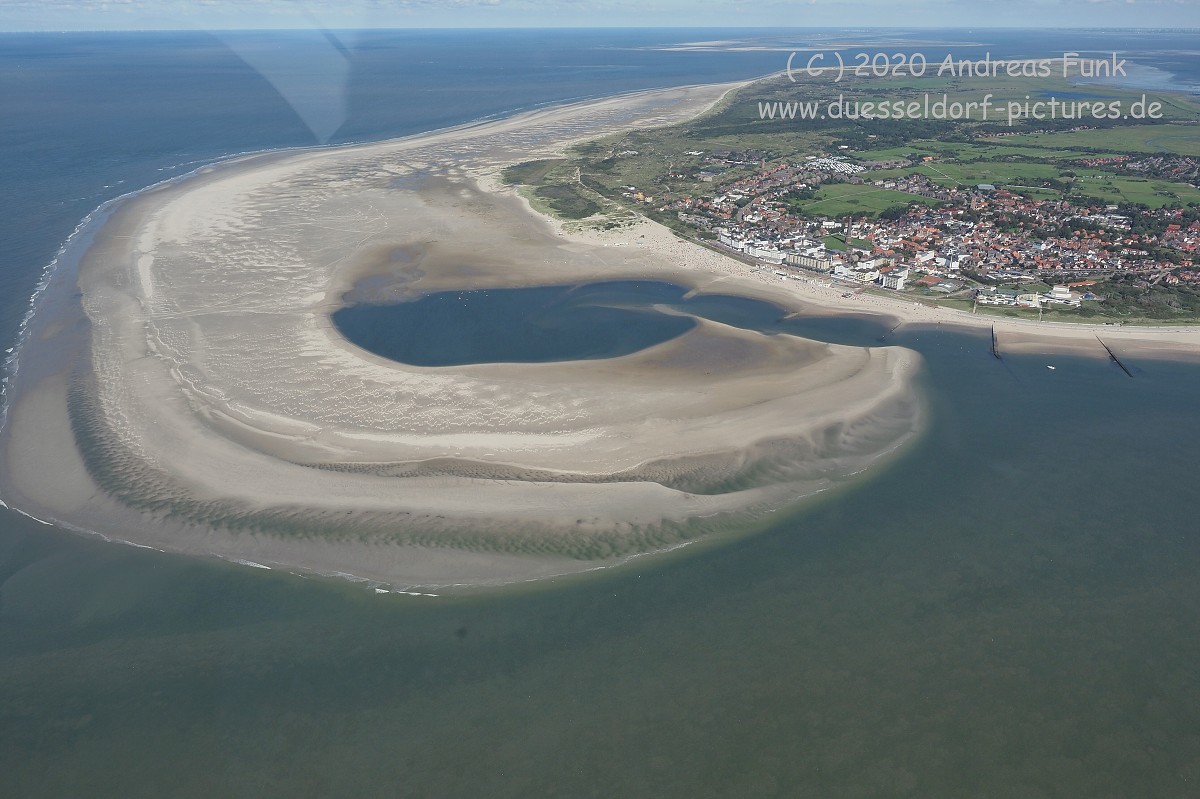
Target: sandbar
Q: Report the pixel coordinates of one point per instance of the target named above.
(201, 401)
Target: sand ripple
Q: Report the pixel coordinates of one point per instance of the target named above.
(219, 410)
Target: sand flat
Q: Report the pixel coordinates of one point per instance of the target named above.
(218, 411)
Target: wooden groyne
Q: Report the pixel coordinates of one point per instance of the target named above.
(1114, 357)
(888, 334)
(995, 345)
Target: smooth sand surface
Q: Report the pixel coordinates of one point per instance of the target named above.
(216, 410)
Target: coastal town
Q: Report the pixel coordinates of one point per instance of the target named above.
(983, 243)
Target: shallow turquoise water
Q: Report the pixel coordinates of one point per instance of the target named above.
(1008, 610)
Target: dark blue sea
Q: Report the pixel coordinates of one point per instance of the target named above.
(1009, 610)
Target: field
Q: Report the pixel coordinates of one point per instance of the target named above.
(984, 148)
(1177, 139)
(1119, 188)
(954, 173)
(1041, 173)
(976, 149)
(843, 199)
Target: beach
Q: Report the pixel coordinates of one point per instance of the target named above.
(822, 294)
(202, 402)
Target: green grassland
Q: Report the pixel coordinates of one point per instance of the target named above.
(1120, 188)
(674, 162)
(972, 172)
(552, 186)
(838, 243)
(658, 159)
(1163, 138)
(1047, 181)
(657, 162)
(1048, 172)
(532, 173)
(983, 149)
(976, 149)
(843, 199)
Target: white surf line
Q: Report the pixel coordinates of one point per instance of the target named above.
(80, 530)
(30, 516)
(402, 593)
(249, 563)
(136, 544)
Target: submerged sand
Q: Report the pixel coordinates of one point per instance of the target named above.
(210, 407)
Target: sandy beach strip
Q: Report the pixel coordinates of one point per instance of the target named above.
(821, 294)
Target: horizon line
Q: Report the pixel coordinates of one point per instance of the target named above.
(774, 28)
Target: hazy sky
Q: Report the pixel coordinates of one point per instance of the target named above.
(205, 14)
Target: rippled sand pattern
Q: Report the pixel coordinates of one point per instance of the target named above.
(219, 411)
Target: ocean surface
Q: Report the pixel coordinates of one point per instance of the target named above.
(1007, 610)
